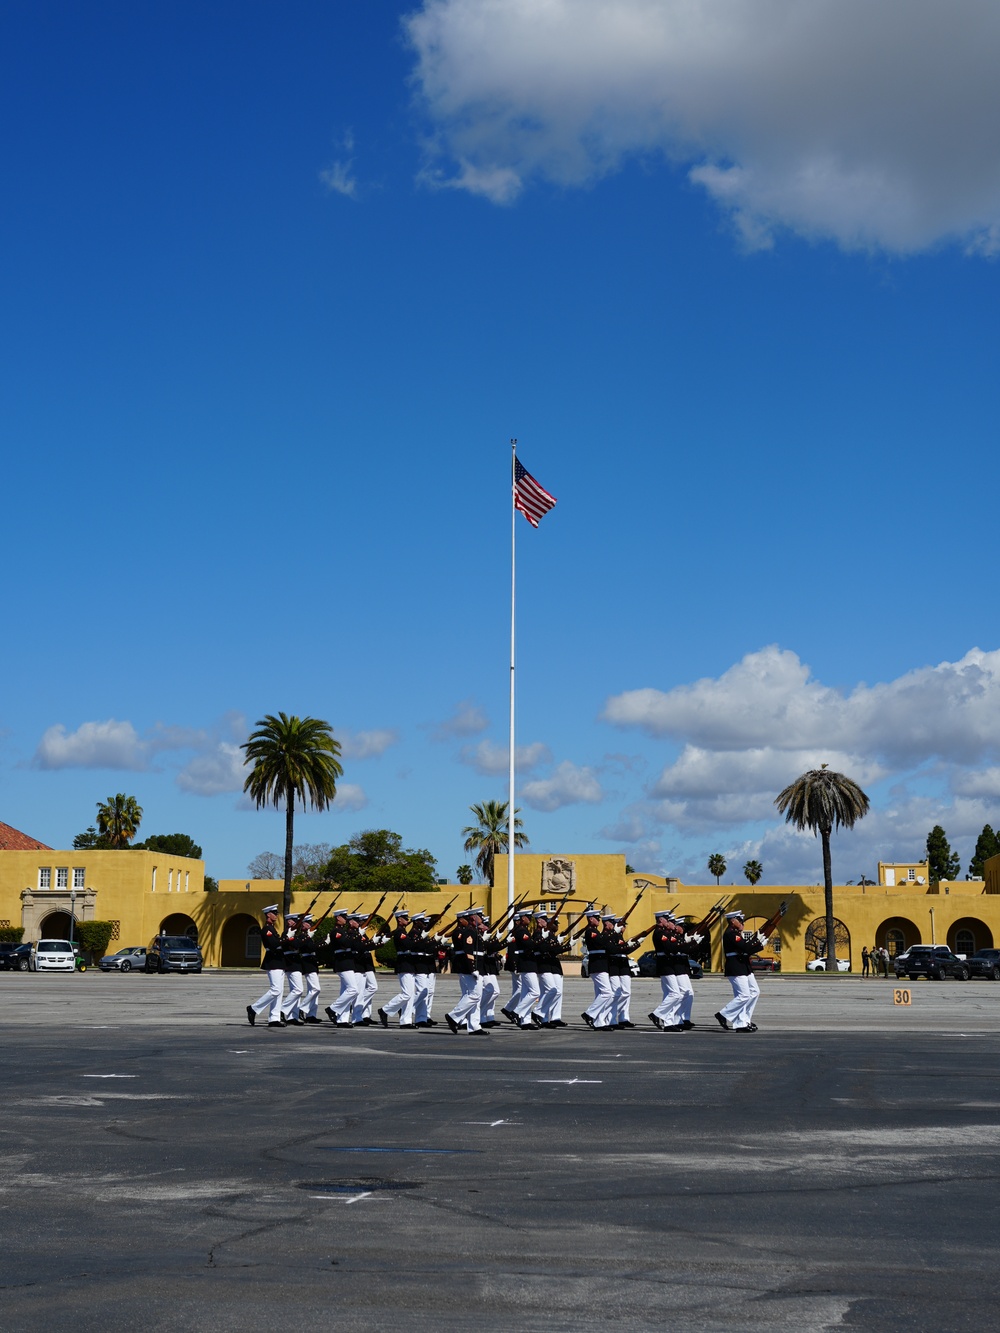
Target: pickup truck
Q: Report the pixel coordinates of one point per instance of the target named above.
(934, 961)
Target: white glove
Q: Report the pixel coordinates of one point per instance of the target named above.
(763, 940)
(693, 939)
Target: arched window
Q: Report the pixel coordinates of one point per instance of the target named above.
(253, 944)
(894, 942)
(965, 942)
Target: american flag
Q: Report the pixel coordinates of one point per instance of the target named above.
(533, 500)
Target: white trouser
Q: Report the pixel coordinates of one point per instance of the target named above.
(342, 1008)
(363, 1004)
(687, 1002)
(600, 1010)
(668, 1011)
(294, 997)
(310, 999)
(402, 1003)
(550, 1004)
(621, 990)
(271, 999)
(488, 999)
(426, 985)
(467, 1009)
(738, 1013)
(527, 997)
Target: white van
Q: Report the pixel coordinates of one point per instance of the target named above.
(53, 956)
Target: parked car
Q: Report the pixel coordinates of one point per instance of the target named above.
(759, 964)
(124, 960)
(934, 961)
(819, 965)
(53, 956)
(647, 966)
(173, 953)
(985, 963)
(15, 957)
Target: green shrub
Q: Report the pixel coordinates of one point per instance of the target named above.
(11, 934)
(94, 936)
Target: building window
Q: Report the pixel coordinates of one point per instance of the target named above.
(153, 888)
(965, 941)
(170, 878)
(45, 877)
(187, 877)
(79, 878)
(894, 941)
(253, 945)
(911, 874)
(62, 877)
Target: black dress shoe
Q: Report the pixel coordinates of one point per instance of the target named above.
(656, 1022)
(367, 1022)
(423, 1023)
(687, 1025)
(294, 1022)
(626, 1023)
(383, 1017)
(588, 1020)
(753, 1027)
(330, 1014)
(251, 1015)
(673, 1027)
(451, 1023)
(433, 1023)
(510, 1016)
(276, 1024)
(479, 1032)
(534, 1017)
(313, 1019)
(722, 1022)
(558, 1023)
(345, 1025)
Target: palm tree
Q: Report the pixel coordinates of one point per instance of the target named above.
(465, 874)
(118, 820)
(488, 836)
(822, 800)
(752, 872)
(292, 756)
(717, 865)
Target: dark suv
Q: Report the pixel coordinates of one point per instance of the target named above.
(934, 961)
(173, 953)
(984, 963)
(15, 957)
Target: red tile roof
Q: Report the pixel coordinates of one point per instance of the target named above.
(13, 840)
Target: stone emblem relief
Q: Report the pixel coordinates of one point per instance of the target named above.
(558, 878)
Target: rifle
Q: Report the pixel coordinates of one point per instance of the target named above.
(329, 909)
(435, 919)
(768, 927)
(645, 885)
(710, 918)
(573, 925)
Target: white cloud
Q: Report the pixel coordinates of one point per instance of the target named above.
(339, 176)
(222, 769)
(349, 797)
(468, 719)
(110, 744)
(367, 744)
(491, 759)
(871, 124)
(568, 785)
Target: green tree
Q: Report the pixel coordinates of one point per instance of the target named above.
(375, 861)
(171, 844)
(822, 801)
(118, 820)
(464, 874)
(292, 757)
(717, 865)
(942, 862)
(211, 885)
(488, 836)
(752, 872)
(91, 840)
(94, 936)
(987, 845)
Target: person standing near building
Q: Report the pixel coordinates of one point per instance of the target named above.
(465, 941)
(598, 1014)
(407, 962)
(309, 967)
(273, 963)
(864, 961)
(738, 949)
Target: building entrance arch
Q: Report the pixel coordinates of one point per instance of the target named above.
(969, 934)
(179, 924)
(896, 934)
(816, 939)
(241, 941)
(55, 926)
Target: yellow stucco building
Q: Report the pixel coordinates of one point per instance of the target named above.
(145, 893)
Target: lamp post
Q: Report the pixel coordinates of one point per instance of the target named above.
(72, 911)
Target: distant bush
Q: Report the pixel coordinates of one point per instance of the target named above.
(94, 936)
(11, 934)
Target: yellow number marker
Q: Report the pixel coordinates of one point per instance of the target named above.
(901, 996)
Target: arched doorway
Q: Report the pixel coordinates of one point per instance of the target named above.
(896, 935)
(55, 926)
(816, 939)
(241, 941)
(179, 924)
(773, 949)
(969, 934)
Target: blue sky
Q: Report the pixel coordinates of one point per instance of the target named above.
(281, 283)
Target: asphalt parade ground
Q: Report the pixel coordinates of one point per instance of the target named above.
(167, 1166)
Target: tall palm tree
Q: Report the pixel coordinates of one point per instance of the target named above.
(822, 800)
(717, 865)
(752, 872)
(488, 836)
(292, 756)
(465, 874)
(118, 820)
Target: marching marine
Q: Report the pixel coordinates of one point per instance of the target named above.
(272, 962)
(738, 949)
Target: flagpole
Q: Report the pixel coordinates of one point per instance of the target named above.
(510, 758)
